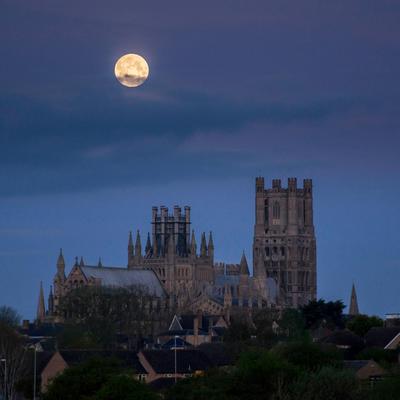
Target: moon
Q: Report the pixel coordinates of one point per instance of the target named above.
(131, 70)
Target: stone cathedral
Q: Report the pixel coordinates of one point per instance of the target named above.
(184, 275)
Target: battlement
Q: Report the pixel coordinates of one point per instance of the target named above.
(162, 214)
(277, 185)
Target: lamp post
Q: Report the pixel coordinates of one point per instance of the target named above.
(3, 360)
(175, 360)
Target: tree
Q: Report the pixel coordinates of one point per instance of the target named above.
(292, 324)
(9, 316)
(84, 380)
(124, 387)
(104, 312)
(309, 356)
(328, 384)
(12, 352)
(318, 311)
(261, 374)
(361, 324)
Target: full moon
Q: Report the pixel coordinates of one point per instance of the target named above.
(131, 70)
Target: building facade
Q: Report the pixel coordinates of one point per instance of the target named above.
(284, 246)
(173, 267)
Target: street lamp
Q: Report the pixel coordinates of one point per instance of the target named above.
(175, 359)
(3, 360)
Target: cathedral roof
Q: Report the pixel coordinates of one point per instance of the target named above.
(123, 277)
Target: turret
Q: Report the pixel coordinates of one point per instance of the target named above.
(131, 251)
(61, 266)
(148, 246)
(203, 246)
(171, 248)
(51, 302)
(193, 246)
(244, 268)
(211, 247)
(41, 309)
(138, 248)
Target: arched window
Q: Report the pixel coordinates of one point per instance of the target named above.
(276, 210)
(266, 211)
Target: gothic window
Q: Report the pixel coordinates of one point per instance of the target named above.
(276, 210)
(267, 251)
(266, 211)
(282, 251)
(275, 250)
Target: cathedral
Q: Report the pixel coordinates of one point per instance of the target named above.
(184, 275)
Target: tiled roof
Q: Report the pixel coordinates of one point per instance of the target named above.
(344, 338)
(128, 358)
(380, 337)
(188, 361)
(355, 364)
(123, 277)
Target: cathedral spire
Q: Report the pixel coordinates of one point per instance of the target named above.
(99, 264)
(148, 245)
(51, 301)
(138, 245)
(244, 268)
(353, 309)
(203, 246)
(193, 245)
(130, 244)
(210, 245)
(61, 266)
(41, 309)
(81, 262)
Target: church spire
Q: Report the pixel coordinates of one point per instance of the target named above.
(99, 264)
(130, 244)
(41, 309)
(81, 262)
(203, 246)
(353, 309)
(244, 268)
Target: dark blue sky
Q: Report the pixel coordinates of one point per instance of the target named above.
(236, 89)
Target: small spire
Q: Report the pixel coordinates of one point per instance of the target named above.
(244, 268)
(210, 242)
(353, 309)
(203, 247)
(41, 309)
(99, 264)
(76, 261)
(60, 260)
(138, 244)
(81, 263)
(130, 242)
(148, 244)
(50, 302)
(193, 245)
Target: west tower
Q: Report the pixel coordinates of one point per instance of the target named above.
(284, 245)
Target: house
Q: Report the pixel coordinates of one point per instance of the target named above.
(175, 364)
(387, 338)
(345, 340)
(63, 359)
(195, 329)
(365, 369)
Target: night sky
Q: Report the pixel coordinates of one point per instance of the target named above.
(237, 89)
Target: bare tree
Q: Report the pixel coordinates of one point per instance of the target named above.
(108, 311)
(9, 316)
(12, 354)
